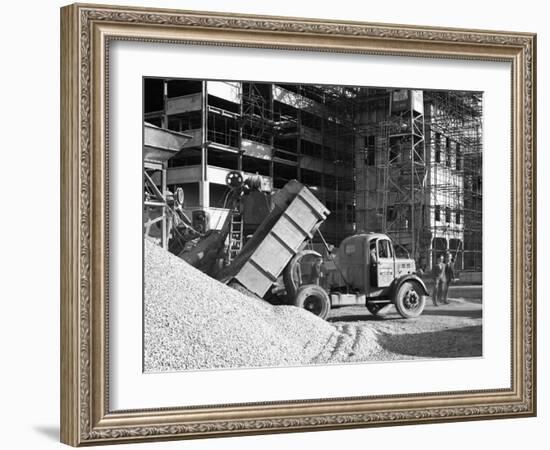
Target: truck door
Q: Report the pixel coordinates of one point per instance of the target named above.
(385, 266)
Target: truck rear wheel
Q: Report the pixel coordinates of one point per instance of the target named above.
(313, 298)
(409, 300)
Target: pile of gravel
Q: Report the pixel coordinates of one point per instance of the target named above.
(192, 321)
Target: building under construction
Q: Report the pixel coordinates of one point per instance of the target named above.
(418, 171)
(400, 161)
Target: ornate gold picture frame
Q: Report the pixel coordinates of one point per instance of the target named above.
(86, 34)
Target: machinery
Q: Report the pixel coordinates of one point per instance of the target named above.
(365, 270)
(189, 234)
(159, 145)
(210, 250)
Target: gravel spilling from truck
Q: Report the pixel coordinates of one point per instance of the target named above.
(192, 321)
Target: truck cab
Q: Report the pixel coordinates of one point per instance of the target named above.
(369, 263)
(370, 266)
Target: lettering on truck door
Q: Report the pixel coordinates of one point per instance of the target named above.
(385, 263)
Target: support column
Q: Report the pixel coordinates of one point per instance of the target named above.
(164, 118)
(241, 150)
(204, 194)
(204, 187)
(272, 138)
(299, 143)
(164, 223)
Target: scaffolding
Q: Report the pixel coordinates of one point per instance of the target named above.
(314, 144)
(418, 173)
(257, 113)
(416, 170)
(404, 162)
(456, 126)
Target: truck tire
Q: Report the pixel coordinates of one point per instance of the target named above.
(313, 298)
(409, 300)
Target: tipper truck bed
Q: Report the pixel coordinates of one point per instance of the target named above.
(296, 216)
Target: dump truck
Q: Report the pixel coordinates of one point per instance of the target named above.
(294, 219)
(365, 269)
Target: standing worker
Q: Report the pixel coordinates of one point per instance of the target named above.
(449, 275)
(439, 280)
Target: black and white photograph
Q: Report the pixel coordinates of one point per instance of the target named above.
(296, 224)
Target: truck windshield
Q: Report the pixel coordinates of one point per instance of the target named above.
(401, 252)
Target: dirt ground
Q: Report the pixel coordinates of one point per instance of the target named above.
(446, 331)
(194, 322)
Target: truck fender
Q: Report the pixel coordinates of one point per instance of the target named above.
(288, 274)
(409, 277)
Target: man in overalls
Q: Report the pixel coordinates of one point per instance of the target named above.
(439, 281)
(449, 276)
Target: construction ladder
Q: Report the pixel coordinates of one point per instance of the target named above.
(235, 235)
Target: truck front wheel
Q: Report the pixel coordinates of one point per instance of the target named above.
(313, 298)
(409, 300)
